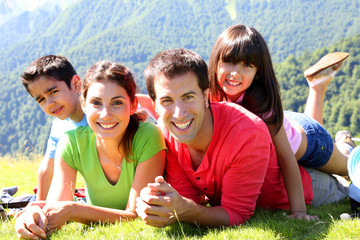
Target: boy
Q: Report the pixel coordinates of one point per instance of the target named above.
(52, 81)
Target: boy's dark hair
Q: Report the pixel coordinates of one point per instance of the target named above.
(174, 62)
(56, 67)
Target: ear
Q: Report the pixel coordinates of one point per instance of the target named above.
(206, 97)
(134, 106)
(76, 83)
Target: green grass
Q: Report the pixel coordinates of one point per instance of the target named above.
(21, 172)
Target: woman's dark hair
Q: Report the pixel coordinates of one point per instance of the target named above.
(114, 72)
(240, 43)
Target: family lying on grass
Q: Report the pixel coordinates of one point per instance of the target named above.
(223, 158)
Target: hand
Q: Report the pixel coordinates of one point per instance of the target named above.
(156, 209)
(303, 215)
(57, 214)
(31, 222)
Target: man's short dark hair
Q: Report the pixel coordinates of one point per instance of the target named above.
(175, 62)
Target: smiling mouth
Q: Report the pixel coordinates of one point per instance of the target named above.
(107, 125)
(232, 83)
(183, 125)
(57, 110)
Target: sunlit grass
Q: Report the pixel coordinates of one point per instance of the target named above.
(21, 172)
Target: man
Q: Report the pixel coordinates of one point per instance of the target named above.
(218, 153)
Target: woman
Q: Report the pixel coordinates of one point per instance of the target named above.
(116, 154)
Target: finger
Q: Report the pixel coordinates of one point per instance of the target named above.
(160, 179)
(40, 204)
(147, 190)
(158, 221)
(161, 186)
(35, 229)
(23, 232)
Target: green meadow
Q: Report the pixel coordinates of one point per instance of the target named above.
(21, 171)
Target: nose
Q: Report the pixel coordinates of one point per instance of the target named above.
(50, 102)
(179, 110)
(105, 113)
(235, 74)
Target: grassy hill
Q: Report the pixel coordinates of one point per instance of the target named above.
(132, 32)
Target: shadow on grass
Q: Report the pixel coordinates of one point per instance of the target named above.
(264, 224)
(267, 224)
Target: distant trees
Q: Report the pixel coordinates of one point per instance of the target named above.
(132, 32)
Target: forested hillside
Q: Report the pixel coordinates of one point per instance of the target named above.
(132, 32)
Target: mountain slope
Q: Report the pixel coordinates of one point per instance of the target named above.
(132, 32)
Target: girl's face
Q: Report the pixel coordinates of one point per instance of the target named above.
(108, 108)
(234, 79)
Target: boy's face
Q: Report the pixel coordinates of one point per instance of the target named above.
(56, 98)
(181, 105)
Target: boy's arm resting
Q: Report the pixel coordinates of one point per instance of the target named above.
(45, 174)
(291, 175)
(146, 104)
(46, 168)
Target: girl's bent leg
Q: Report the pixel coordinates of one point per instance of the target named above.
(337, 163)
(319, 76)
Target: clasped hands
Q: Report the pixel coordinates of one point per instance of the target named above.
(159, 204)
(41, 218)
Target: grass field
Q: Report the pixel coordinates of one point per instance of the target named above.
(21, 172)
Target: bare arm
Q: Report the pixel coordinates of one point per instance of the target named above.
(45, 174)
(59, 209)
(147, 104)
(291, 175)
(84, 213)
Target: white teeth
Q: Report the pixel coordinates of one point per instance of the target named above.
(182, 125)
(233, 83)
(104, 125)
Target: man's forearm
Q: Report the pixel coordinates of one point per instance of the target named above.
(204, 216)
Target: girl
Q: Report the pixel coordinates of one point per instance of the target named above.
(241, 71)
(116, 154)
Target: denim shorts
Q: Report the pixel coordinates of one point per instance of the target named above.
(320, 144)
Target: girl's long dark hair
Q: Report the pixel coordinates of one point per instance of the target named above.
(114, 72)
(240, 43)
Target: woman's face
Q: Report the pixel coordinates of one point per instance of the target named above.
(234, 79)
(108, 108)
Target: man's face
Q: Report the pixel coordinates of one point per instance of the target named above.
(181, 106)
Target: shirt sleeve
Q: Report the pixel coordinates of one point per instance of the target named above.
(245, 175)
(65, 150)
(52, 142)
(148, 141)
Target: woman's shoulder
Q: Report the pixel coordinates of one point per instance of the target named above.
(79, 134)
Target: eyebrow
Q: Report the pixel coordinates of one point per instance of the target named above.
(111, 98)
(187, 93)
(48, 90)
